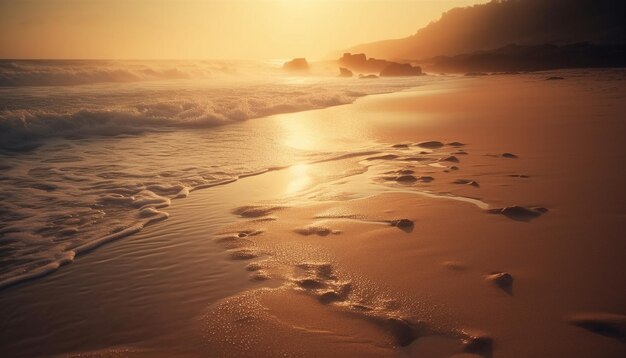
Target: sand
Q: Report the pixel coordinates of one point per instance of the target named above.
(544, 277)
(479, 217)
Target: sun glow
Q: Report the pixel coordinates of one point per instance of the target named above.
(194, 29)
(300, 178)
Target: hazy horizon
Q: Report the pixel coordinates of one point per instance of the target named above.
(211, 29)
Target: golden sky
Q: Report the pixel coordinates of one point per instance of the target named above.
(199, 29)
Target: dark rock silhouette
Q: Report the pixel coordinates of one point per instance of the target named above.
(360, 62)
(495, 24)
(296, 65)
(344, 72)
(513, 58)
(400, 69)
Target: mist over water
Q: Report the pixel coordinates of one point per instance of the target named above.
(92, 151)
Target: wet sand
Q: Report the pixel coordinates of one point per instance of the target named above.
(538, 273)
(475, 217)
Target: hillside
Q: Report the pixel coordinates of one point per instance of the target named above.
(502, 22)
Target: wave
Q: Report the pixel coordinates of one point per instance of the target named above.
(23, 126)
(21, 73)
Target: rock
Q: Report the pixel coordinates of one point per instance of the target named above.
(360, 62)
(509, 155)
(365, 77)
(476, 74)
(400, 69)
(554, 78)
(296, 65)
(344, 72)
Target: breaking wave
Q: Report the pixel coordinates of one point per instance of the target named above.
(182, 95)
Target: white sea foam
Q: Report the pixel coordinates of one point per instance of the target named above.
(67, 186)
(156, 96)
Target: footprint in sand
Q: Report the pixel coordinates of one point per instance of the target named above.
(450, 158)
(433, 144)
(606, 324)
(255, 211)
(467, 182)
(456, 144)
(319, 280)
(503, 280)
(405, 225)
(520, 213)
(315, 229)
(477, 342)
(243, 254)
(454, 265)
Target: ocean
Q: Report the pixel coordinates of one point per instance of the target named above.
(93, 151)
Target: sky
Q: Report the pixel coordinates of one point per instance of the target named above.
(205, 29)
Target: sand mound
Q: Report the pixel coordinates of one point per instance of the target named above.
(433, 144)
(384, 157)
(255, 211)
(316, 229)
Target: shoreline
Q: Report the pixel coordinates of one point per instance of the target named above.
(361, 254)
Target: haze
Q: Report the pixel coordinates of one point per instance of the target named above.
(195, 29)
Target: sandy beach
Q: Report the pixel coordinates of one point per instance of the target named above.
(468, 217)
(541, 277)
